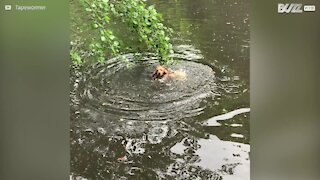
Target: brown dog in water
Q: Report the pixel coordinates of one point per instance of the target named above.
(163, 73)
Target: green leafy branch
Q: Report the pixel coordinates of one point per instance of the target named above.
(144, 21)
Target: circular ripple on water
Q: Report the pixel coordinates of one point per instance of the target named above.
(125, 93)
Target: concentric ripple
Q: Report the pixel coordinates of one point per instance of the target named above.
(130, 93)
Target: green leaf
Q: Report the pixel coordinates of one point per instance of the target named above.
(116, 43)
(106, 18)
(112, 37)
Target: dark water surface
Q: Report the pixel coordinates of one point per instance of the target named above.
(124, 125)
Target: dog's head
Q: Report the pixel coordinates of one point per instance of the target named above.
(160, 72)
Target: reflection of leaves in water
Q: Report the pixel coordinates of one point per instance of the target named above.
(95, 155)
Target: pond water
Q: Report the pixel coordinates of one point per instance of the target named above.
(125, 125)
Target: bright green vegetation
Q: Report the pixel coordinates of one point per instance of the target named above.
(140, 20)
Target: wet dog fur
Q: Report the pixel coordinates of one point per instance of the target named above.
(162, 72)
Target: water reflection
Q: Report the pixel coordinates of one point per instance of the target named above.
(229, 159)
